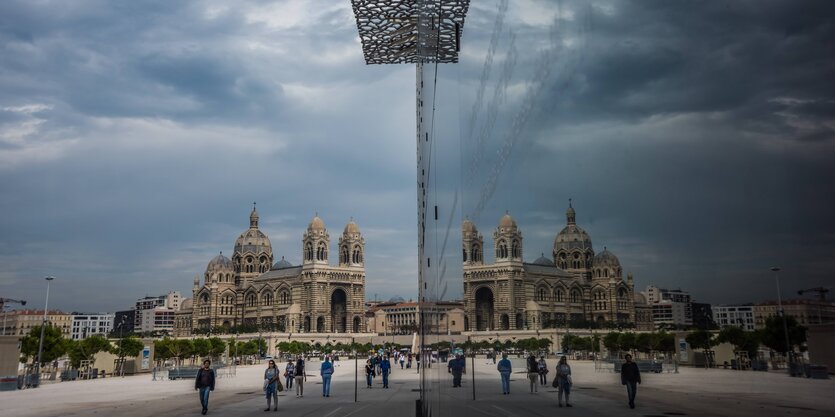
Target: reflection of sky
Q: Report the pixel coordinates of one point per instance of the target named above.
(695, 142)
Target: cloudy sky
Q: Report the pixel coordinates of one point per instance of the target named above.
(695, 139)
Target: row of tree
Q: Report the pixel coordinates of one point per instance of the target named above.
(55, 346)
(773, 336)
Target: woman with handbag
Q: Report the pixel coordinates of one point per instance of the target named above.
(563, 381)
(272, 380)
(369, 372)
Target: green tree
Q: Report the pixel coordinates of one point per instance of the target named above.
(86, 349)
(162, 349)
(612, 341)
(663, 342)
(743, 341)
(628, 341)
(774, 334)
(54, 344)
(201, 348)
(216, 347)
(180, 349)
(128, 347)
(701, 339)
(643, 343)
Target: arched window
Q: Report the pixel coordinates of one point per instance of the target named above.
(575, 296)
(308, 252)
(344, 255)
(285, 297)
(558, 295)
(476, 254)
(465, 254)
(267, 299)
(250, 300)
(514, 249)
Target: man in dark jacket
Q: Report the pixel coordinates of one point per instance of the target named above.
(630, 376)
(456, 368)
(204, 383)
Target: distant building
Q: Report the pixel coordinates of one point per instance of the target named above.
(170, 301)
(20, 322)
(183, 319)
(703, 316)
(643, 313)
(86, 325)
(739, 316)
(573, 284)
(160, 319)
(124, 321)
(253, 291)
(806, 312)
(404, 317)
(670, 308)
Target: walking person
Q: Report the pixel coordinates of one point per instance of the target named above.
(402, 360)
(409, 363)
(533, 372)
(369, 373)
(630, 376)
(289, 372)
(271, 381)
(301, 377)
(385, 370)
(456, 368)
(326, 371)
(563, 381)
(505, 369)
(542, 367)
(204, 383)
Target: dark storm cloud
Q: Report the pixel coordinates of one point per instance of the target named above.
(695, 138)
(695, 142)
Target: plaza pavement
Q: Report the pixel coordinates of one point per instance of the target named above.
(692, 392)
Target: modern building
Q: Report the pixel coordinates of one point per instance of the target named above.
(399, 317)
(575, 285)
(124, 321)
(670, 308)
(157, 320)
(739, 316)
(86, 325)
(20, 322)
(170, 301)
(250, 290)
(806, 312)
(703, 316)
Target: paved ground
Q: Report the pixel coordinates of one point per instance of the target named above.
(692, 392)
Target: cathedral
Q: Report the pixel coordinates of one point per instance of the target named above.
(575, 286)
(250, 290)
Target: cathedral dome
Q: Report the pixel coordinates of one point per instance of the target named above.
(467, 226)
(350, 228)
(316, 224)
(253, 241)
(187, 304)
(606, 259)
(507, 222)
(219, 263)
(572, 237)
(542, 260)
(282, 264)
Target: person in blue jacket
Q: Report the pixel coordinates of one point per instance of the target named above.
(505, 369)
(385, 370)
(326, 371)
(456, 368)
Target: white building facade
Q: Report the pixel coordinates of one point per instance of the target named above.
(739, 316)
(86, 325)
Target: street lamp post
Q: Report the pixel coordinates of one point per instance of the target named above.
(43, 327)
(121, 359)
(782, 314)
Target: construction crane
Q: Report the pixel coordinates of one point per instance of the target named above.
(3, 302)
(820, 290)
